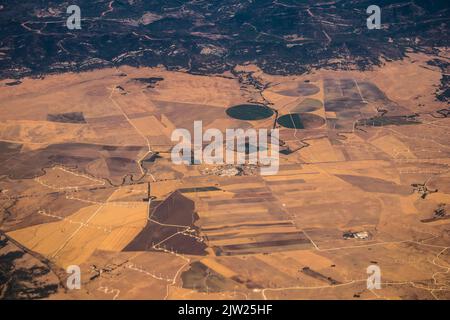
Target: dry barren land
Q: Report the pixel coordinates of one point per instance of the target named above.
(364, 180)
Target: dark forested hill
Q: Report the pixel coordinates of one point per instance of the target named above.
(211, 36)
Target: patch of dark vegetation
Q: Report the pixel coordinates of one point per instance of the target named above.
(286, 151)
(198, 189)
(202, 279)
(445, 113)
(20, 280)
(69, 117)
(152, 157)
(439, 213)
(13, 83)
(247, 79)
(122, 90)
(440, 114)
(317, 275)
(381, 121)
(443, 93)
(151, 82)
(171, 227)
(249, 112)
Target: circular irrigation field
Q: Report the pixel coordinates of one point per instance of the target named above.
(301, 121)
(308, 105)
(307, 89)
(303, 89)
(249, 112)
